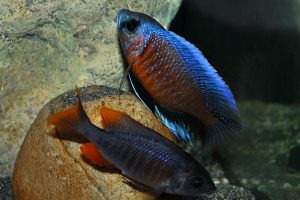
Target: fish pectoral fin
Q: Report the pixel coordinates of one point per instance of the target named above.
(141, 92)
(91, 152)
(136, 183)
(182, 125)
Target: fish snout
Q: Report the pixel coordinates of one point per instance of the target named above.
(210, 189)
(122, 16)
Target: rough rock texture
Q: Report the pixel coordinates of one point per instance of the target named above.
(50, 168)
(48, 47)
(262, 159)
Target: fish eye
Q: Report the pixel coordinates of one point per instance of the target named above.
(132, 24)
(197, 182)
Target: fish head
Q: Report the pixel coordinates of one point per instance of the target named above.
(192, 181)
(134, 30)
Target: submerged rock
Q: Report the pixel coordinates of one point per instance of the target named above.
(50, 168)
(48, 47)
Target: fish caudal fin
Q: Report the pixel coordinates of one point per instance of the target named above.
(220, 132)
(91, 152)
(75, 120)
(70, 119)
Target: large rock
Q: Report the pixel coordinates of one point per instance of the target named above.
(48, 47)
(50, 168)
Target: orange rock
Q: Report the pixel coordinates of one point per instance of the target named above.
(50, 168)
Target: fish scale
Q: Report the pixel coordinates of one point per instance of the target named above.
(164, 77)
(174, 79)
(122, 142)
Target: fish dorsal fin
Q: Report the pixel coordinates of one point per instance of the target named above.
(111, 118)
(218, 98)
(117, 120)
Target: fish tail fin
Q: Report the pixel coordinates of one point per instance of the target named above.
(73, 120)
(219, 132)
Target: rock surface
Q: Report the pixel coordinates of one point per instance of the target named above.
(48, 47)
(261, 160)
(50, 168)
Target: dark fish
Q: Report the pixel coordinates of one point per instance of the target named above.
(174, 79)
(141, 154)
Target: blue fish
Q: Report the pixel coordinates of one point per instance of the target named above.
(173, 78)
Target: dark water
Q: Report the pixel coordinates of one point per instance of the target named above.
(255, 46)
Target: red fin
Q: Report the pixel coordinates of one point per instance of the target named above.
(59, 119)
(71, 114)
(111, 118)
(91, 152)
(68, 122)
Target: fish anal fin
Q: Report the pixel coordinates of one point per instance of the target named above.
(182, 125)
(92, 154)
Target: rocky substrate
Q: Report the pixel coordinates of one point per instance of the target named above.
(266, 158)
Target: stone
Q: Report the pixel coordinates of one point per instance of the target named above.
(50, 168)
(48, 47)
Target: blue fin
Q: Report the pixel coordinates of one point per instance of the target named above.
(217, 95)
(218, 133)
(140, 92)
(178, 123)
(182, 125)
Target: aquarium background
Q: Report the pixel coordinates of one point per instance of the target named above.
(48, 47)
(255, 47)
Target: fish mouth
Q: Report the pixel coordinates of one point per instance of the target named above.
(210, 190)
(122, 15)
